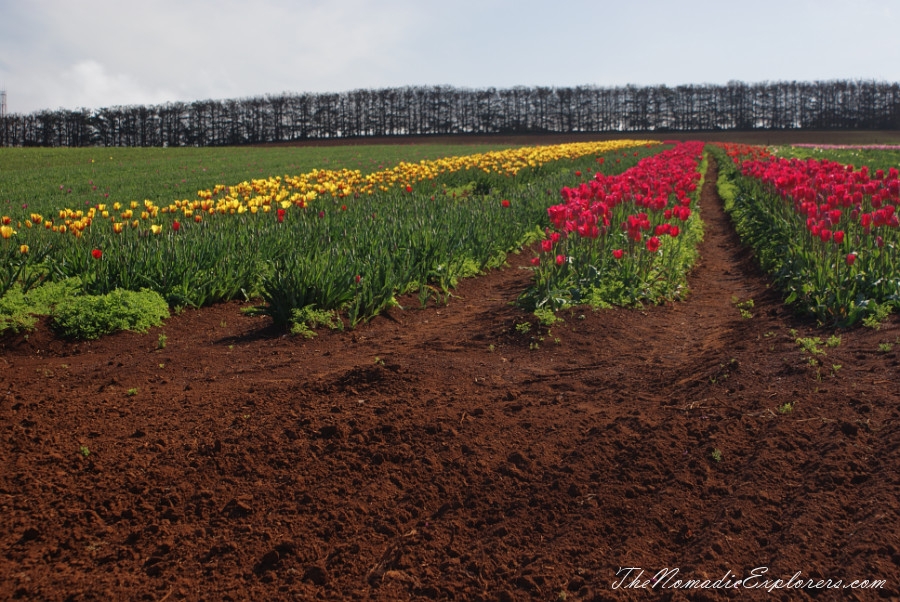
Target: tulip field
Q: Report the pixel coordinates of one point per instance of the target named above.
(348, 243)
(491, 372)
(326, 240)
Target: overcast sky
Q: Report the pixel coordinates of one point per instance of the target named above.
(100, 53)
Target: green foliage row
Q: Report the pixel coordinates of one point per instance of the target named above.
(359, 260)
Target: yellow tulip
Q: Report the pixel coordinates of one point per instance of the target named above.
(300, 190)
(23, 249)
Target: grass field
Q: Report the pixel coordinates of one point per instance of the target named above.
(53, 178)
(874, 159)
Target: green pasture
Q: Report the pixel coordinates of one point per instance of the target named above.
(872, 158)
(44, 180)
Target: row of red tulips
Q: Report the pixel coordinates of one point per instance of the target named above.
(622, 239)
(828, 231)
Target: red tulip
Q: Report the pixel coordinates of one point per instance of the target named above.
(504, 203)
(618, 254)
(653, 244)
(96, 253)
(866, 220)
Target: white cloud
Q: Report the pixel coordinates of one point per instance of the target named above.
(72, 53)
(105, 52)
(89, 84)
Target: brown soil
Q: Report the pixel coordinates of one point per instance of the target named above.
(434, 454)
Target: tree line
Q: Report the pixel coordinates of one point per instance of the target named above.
(446, 110)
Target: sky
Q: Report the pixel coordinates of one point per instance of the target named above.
(99, 53)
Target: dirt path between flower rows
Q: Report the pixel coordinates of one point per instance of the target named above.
(442, 453)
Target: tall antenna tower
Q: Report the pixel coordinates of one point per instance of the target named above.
(2, 104)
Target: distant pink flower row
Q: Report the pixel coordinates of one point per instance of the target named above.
(850, 146)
